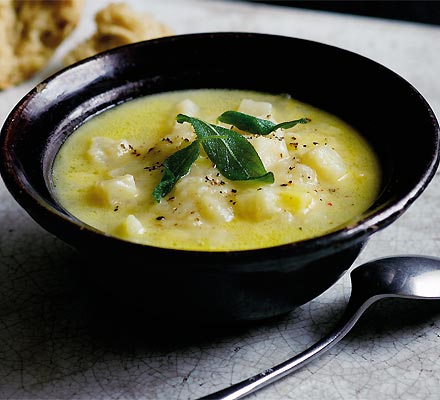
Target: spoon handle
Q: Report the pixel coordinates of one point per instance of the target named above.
(354, 310)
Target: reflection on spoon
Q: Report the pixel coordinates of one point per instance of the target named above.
(411, 277)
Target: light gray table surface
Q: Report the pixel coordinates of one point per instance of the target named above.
(58, 342)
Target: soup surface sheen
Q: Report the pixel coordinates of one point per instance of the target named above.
(325, 174)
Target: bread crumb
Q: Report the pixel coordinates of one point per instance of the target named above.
(116, 25)
(30, 32)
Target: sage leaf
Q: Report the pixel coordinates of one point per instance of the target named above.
(176, 166)
(233, 155)
(256, 125)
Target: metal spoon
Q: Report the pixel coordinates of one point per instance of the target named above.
(411, 277)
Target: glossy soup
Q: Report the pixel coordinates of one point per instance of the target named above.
(326, 174)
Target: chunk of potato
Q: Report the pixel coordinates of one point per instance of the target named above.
(256, 205)
(326, 162)
(181, 133)
(210, 203)
(259, 109)
(304, 175)
(108, 151)
(271, 149)
(296, 199)
(116, 191)
(131, 226)
(214, 206)
(187, 107)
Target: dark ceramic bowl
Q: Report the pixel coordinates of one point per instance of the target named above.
(234, 285)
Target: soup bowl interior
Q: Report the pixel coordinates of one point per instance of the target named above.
(232, 285)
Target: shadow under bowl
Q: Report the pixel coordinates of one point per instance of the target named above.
(232, 286)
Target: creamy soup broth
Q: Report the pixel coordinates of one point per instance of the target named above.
(325, 173)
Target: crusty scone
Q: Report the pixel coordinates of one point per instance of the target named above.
(30, 32)
(116, 25)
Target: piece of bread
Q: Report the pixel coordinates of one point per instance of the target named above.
(116, 25)
(30, 32)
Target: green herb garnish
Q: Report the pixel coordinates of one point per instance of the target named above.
(233, 155)
(231, 152)
(176, 166)
(255, 125)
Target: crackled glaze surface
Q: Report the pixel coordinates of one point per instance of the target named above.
(58, 341)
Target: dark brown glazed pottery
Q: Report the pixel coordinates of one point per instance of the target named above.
(236, 285)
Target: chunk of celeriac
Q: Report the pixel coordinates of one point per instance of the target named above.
(187, 107)
(256, 205)
(271, 148)
(290, 171)
(304, 175)
(296, 199)
(213, 206)
(209, 201)
(131, 226)
(108, 151)
(182, 132)
(116, 191)
(327, 163)
(259, 109)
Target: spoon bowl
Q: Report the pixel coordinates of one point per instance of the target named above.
(412, 277)
(409, 277)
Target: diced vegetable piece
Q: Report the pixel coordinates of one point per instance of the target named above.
(131, 226)
(256, 205)
(214, 207)
(297, 200)
(260, 109)
(271, 149)
(182, 132)
(187, 107)
(105, 150)
(326, 162)
(117, 190)
(210, 203)
(303, 174)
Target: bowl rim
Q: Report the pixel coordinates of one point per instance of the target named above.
(340, 238)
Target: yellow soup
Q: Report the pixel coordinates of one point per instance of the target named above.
(325, 174)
